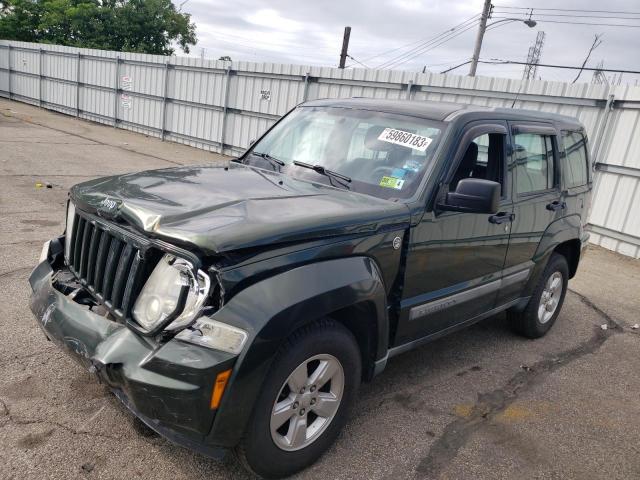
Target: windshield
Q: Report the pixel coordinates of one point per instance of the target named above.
(380, 154)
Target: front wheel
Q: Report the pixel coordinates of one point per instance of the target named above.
(544, 306)
(305, 401)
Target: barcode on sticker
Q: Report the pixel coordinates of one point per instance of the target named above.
(405, 139)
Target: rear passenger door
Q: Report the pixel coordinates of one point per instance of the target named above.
(533, 167)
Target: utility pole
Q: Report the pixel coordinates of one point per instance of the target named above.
(345, 46)
(486, 12)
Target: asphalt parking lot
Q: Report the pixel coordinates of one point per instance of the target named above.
(482, 403)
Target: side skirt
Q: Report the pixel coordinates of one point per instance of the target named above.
(405, 347)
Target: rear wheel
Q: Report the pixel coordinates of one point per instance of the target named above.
(305, 402)
(546, 302)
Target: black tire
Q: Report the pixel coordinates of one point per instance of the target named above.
(527, 322)
(258, 452)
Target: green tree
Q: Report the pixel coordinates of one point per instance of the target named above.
(145, 26)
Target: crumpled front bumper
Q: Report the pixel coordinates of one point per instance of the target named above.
(167, 385)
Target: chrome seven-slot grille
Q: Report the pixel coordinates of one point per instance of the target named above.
(112, 266)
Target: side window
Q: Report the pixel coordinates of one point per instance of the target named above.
(484, 158)
(534, 162)
(574, 166)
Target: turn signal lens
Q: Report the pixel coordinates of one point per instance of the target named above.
(218, 388)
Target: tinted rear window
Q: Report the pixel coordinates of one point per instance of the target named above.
(574, 167)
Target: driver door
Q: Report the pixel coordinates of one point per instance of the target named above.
(455, 260)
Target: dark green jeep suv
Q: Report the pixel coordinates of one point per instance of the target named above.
(240, 306)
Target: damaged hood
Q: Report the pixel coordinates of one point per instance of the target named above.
(219, 209)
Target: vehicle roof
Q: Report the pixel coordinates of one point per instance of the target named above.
(441, 111)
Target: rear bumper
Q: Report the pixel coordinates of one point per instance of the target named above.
(167, 385)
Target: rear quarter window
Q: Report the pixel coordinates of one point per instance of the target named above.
(574, 165)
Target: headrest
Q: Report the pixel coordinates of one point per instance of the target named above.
(372, 143)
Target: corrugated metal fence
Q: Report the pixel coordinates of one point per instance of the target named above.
(223, 106)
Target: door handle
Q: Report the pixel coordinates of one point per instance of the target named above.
(556, 205)
(502, 217)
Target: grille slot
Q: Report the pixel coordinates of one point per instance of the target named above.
(113, 267)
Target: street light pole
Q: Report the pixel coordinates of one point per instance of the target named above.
(481, 29)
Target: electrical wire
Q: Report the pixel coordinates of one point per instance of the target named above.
(566, 10)
(410, 54)
(498, 61)
(357, 61)
(537, 15)
(582, 23)
(422, 40)
(426, 47)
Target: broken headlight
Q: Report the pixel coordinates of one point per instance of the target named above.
(71, 215)
(162, 294)
(213, 334)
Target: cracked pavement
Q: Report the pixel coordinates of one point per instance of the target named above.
(481, 403)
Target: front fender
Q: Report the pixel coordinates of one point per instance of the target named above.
(272, 309)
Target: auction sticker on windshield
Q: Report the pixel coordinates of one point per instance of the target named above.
(405, 139)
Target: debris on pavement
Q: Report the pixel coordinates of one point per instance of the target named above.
(636, 326)
(604, 326)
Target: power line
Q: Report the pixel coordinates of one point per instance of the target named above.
(567, 10)
(420, 49)
(498, 61)
(583, 23)
(422, 40)
(538, 15)
(357, 61)
(426, 47)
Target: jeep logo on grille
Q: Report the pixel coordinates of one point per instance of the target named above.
(108, 208)
(108, 204)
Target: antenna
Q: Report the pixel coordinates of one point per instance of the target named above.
(533, 57)
(598, 75)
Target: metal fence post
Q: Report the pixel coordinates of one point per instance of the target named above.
(163, 126)
(78, 59)
(115, 93)
(602, 132)
(9, 68)
(305, 91)
(409, 89)
(40, 76)
(224, 109)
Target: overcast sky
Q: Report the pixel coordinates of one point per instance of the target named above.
(310, 33)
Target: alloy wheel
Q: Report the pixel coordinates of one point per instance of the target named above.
(550, 297)
(307, 402)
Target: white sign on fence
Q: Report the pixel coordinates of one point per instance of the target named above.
(125, 83)
(125, 100)
(265, 95)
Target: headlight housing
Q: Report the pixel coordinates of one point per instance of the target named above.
(217, 335)
(71, 215)
(164, 293)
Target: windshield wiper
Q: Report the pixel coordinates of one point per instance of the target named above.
(323, 171)
(269, 158)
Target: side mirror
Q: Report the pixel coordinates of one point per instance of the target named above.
(472, 195)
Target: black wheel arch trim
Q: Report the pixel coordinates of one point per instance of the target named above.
(274, 308)
(565, 229)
